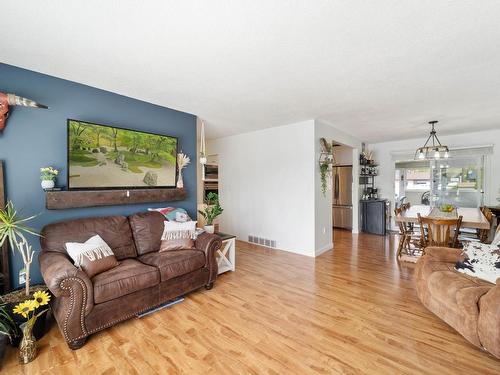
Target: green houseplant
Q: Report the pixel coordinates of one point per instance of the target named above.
(13, 228)
(7, 329)
(323, 170)
(48, 176)
(211, 211)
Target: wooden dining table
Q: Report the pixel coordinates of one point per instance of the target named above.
(471, 217)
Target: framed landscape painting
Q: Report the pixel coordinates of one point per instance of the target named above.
(108, 157)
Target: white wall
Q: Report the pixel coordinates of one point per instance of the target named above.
(343, 155)
(323, 204)
(270, 186)
(266, 185)
(382, 154)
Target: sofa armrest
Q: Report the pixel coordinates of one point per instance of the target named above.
(73, 291)
(445, 254)
(488, 323)
(209, 244)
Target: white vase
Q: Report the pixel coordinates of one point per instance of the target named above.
(209, 228)
(180, 182)
(48, 184)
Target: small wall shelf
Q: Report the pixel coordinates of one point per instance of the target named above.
(60, 200)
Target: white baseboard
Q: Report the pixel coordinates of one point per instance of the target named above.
(324, 249)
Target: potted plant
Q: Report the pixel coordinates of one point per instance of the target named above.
(48, 176)
(7, 330)
(30, 310)
(13, 228)
(211, 211)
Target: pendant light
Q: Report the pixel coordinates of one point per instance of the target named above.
(203, 155)
(434, 151)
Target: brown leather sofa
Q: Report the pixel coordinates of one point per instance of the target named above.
(144, 278)
(469, 305)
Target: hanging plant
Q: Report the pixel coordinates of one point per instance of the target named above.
(323, 169)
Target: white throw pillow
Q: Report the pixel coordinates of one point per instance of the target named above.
(178, 236)
(174, 230)
(93, 256)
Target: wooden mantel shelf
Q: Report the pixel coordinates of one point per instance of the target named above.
(60, 200)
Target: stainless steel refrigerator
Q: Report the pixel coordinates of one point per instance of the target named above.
(342, 197)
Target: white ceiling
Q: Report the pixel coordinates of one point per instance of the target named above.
(378, 70)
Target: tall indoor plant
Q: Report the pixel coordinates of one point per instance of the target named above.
(211, 211)
(14, 228)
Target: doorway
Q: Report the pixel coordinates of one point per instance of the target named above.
(342, 181)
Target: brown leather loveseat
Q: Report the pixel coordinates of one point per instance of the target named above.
(143, 279)
(470, 305)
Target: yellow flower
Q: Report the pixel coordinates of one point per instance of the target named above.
(25, 307)
(41, 298)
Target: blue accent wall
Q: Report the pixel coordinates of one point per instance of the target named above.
(36, 138)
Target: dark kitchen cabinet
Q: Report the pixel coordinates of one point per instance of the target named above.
(374, 216)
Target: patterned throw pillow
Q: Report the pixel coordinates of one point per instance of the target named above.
(173, 214)
(178, 236)
(93, 256)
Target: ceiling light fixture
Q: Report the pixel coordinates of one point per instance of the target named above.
(434, 151)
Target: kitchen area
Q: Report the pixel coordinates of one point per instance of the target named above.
(374, 212)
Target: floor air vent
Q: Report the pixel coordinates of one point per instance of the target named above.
(262, 241)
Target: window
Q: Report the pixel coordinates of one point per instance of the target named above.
(418, 179)
(465, 177)
(458, 180)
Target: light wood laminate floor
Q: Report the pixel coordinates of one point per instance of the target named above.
(353, 310)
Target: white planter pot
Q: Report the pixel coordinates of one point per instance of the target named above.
(209, 228)
(48, 184)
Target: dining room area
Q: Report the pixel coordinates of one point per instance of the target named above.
(421, 226)
(444, 197)
(441, 196)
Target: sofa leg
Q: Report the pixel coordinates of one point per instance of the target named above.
(77, 344)
(209, 286)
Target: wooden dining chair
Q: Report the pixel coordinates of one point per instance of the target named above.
(405, 207)
(402, 231)
(409, 241)
(477, 235)
(485, 233)
(439, 232)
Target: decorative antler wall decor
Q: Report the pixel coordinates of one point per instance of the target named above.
(7, 100)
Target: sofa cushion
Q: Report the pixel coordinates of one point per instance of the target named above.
(175, 263)
(178, 236)
(115, 230)
(147, 228)
(128, 277)
(444, 285)
(93, 256)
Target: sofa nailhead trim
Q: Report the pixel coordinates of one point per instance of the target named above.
(72, 305)
(100, 328)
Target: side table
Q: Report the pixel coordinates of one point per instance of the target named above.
(226, 255)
